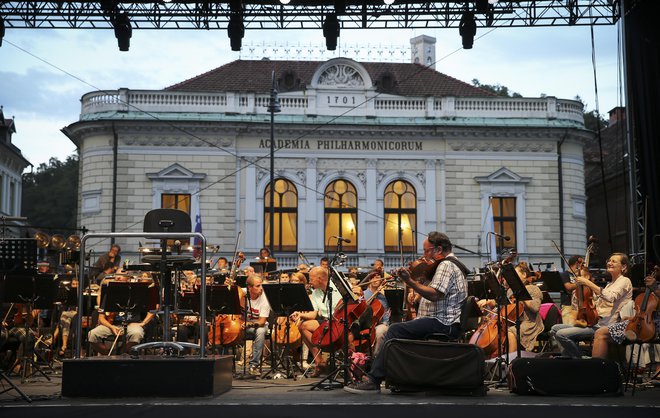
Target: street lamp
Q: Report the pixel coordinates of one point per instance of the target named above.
(273, 107)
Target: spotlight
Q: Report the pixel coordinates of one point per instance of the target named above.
(340, 7)
(2, 29)
(123, 31)
(388, 2)
(235, 31)
(331, 31)
(285, 2)
(467, 28)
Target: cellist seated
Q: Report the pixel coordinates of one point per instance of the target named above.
(318, 280)
(620, 331)
(531, 323)
(607, 301)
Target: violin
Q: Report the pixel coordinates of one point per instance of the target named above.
(641, 328)
(587, 315)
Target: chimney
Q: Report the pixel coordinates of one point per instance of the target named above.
(422, 51)
(618, 114)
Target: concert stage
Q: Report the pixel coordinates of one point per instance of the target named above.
(293, 398)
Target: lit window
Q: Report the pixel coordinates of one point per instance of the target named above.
(176, 201)
(340, 215)
(400, 204)
(285, 216)
(504, 220)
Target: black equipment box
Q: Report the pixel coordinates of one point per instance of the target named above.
(434, 366)
(565, 376)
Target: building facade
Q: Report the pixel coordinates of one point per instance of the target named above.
(377, 153)
(12, 164)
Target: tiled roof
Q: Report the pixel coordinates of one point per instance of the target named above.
(395, 78)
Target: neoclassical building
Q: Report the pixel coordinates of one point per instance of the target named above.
(369, 151)
(12, 164)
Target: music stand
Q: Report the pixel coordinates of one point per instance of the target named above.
(261, 267)
(552, 281)
(167, 220)
(346, 292)
(127, 298)
(284, 299)
(520, 294)
(36, 291)
(222, 300)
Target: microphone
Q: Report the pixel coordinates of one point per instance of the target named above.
(347, 241)
(505, 237)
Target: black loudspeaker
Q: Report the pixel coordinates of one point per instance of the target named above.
(118, 377)
(434, 366)
(565, 377)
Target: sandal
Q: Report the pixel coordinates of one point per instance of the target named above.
(318, 370)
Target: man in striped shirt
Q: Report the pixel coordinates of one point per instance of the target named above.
(439, 310)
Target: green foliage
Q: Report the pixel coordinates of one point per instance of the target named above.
(498, 89)
(50, 196)
(592, 119)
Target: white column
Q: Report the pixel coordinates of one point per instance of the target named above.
(252, 235)
(432, 200)
(374, 224)
(308, 235)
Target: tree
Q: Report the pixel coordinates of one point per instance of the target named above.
(50, 196)
(498, 89)
(592, 119)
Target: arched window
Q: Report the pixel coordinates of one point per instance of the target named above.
(400, 204)
(340, 215)
(285, 216)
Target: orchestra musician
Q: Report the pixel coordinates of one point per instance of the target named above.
(575, 263)
(615, 333)
(223, 264)
(376, 287)
(113, 256)
(258, 311)
(608, 302)
(320, 283)
(439, 309)
(531, 323)
(108, 330)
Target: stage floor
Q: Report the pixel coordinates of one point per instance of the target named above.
(283, 397)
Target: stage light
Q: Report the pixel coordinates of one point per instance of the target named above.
(236, 31)
(2, 29)
(340, 7)
(123, 31)
(467, 28)
(331, 31)
(388, 2)
(285, 2)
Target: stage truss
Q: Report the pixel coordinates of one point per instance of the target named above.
(366, 14)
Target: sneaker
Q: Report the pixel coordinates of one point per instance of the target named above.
(254, 371)
(363, 387)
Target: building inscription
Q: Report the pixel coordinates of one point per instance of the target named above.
(344, 144)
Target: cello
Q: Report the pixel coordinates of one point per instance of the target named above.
(228, 327)
(587, 315)
(641, 328)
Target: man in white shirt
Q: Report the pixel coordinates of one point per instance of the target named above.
(258, 310)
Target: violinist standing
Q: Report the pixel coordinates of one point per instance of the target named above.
(608, 302)
(439, 309)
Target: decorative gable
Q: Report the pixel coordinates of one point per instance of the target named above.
(175, 172)
(341, 73)
(503, 175)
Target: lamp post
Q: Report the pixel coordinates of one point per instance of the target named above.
(273, 107)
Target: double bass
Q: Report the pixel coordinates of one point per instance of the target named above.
(641, 328)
